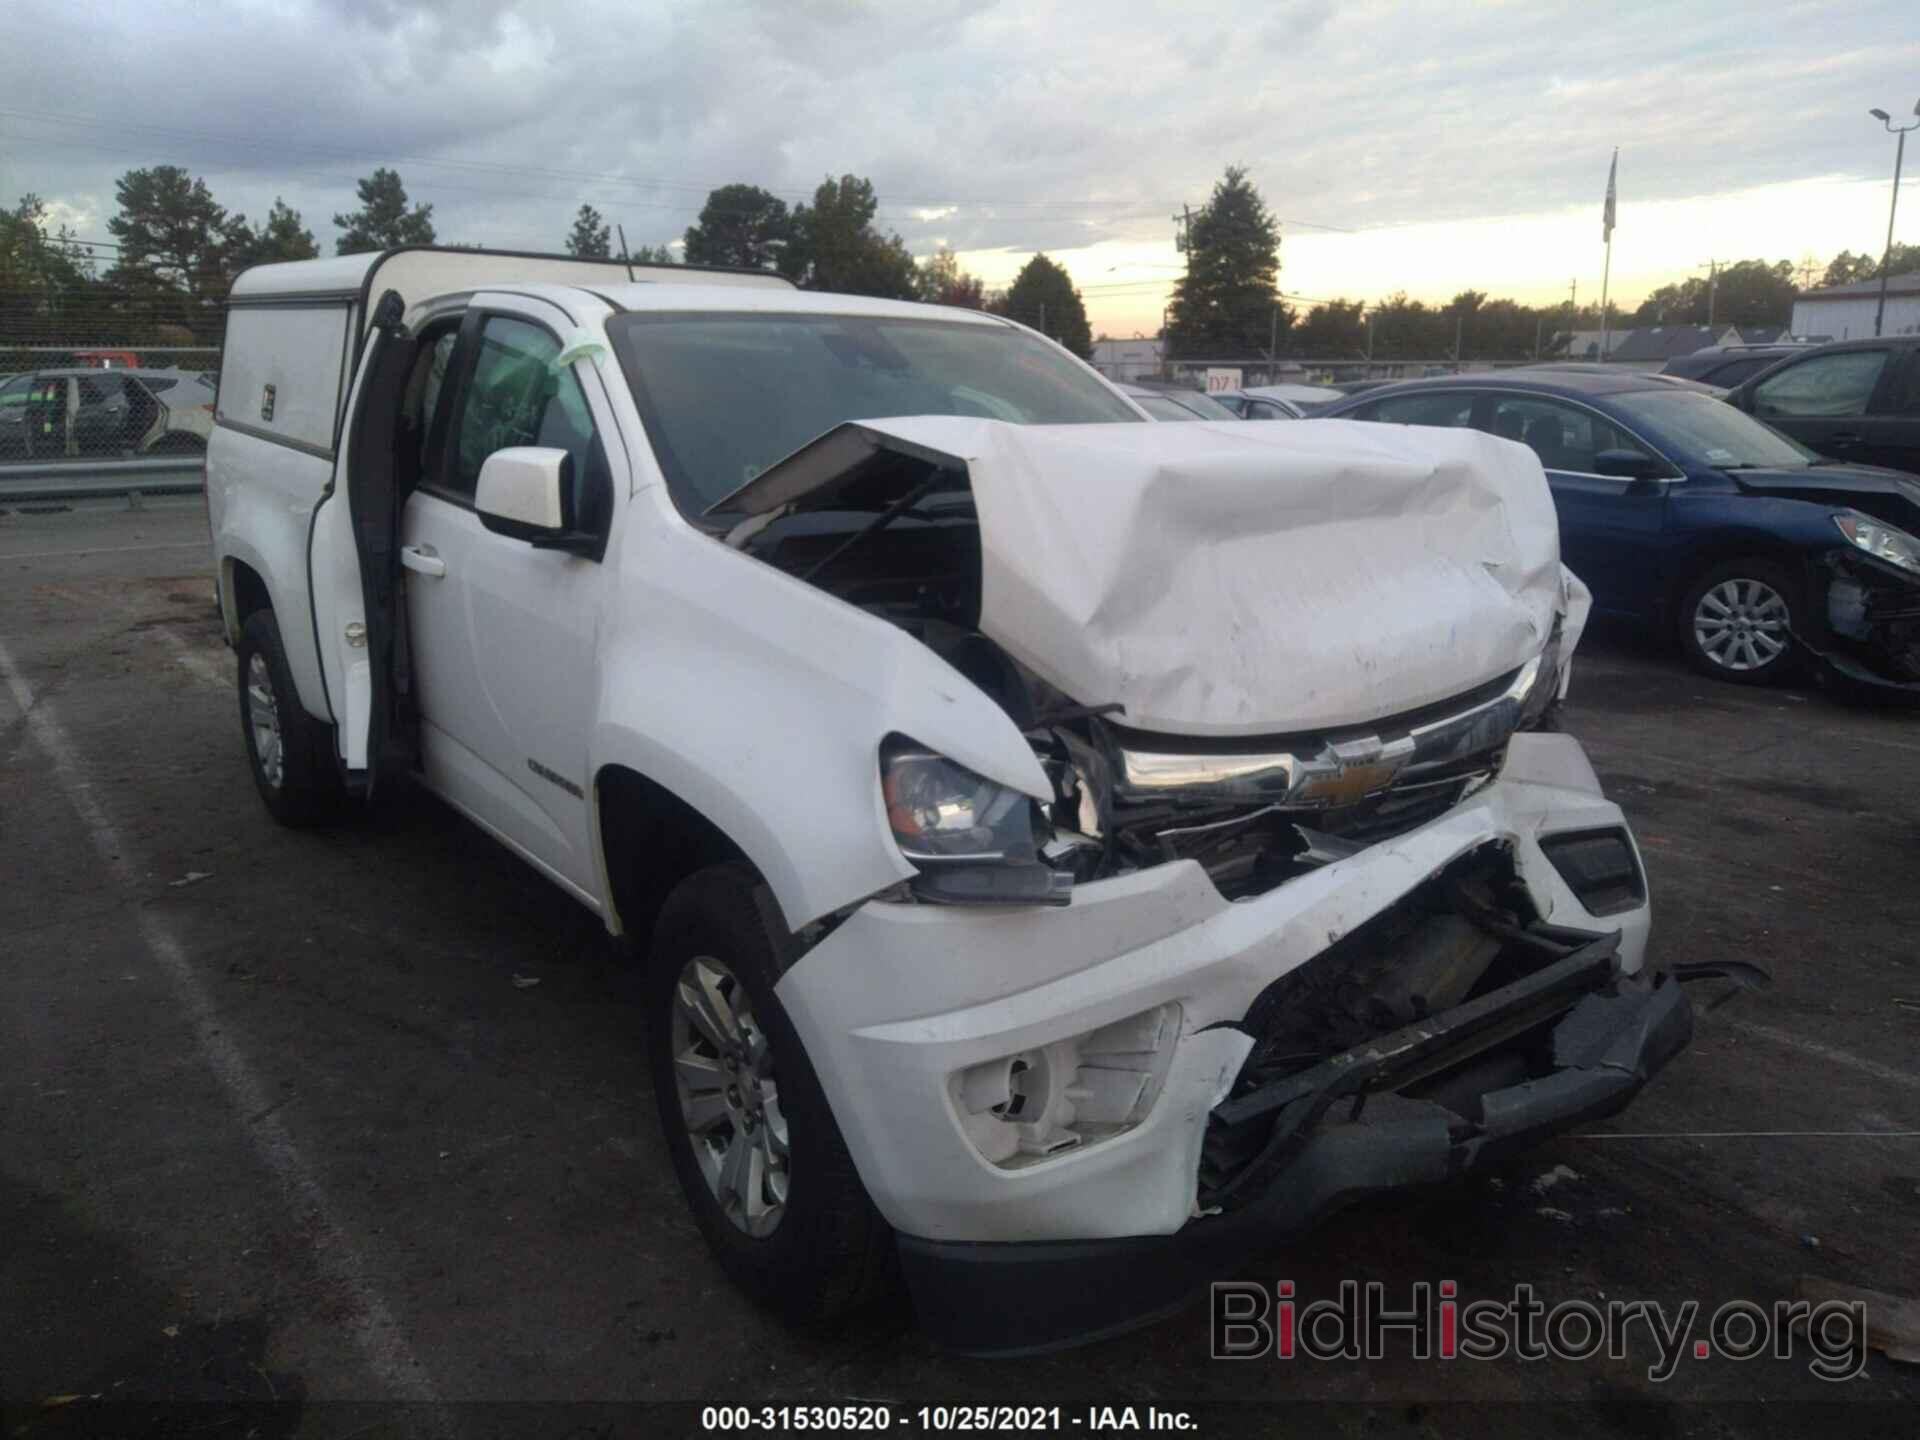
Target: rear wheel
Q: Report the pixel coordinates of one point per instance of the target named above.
(290, 752)
(1737, 622)
(753, 1140)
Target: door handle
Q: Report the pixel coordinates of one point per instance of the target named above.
(422, 558)
(1847, 439)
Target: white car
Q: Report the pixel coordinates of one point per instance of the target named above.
(79, 413)
(1281, 402)
(1066, 851)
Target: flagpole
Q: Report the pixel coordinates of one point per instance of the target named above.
(1606, 273)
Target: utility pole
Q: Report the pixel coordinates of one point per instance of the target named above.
(1043, 317)
(1459, 324)
(1712, 267)
(1273, 332)
(1886, 256)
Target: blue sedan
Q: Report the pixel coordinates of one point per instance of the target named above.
(1683, 513)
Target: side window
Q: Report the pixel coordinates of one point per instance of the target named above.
(515, 398)
(13, 396)
(1823, 385)
(1906, 395)
(1565, 437)
(1447, 407)
(422, 399)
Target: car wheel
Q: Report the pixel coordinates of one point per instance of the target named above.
(290, 752)
(1738, 620)
(753, 1140)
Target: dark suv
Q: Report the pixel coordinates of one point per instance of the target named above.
(1858, 400)
(1729, 365)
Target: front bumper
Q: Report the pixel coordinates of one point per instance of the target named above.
(901, 1004)
(1022, 1298)
(1866, 638)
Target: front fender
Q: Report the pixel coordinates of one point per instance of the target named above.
(762, 703)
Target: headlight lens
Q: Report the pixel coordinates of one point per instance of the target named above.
(941, 812)
(1880, 540)
(971, 838)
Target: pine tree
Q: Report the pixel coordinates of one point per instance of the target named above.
(1228, 306)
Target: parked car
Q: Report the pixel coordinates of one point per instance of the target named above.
(1248, 407)
(1683, 513)
(1728, 365)
(1858, 400)
(1601, 367)
(1291, 401)
(1177, 404)
(88, 413)
(1041, 831)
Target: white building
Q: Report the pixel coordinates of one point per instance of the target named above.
(1135, 359)
(1845, 312)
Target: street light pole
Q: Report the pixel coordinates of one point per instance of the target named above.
(1893, 206)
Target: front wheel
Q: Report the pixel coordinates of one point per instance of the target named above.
(290, 752)
(1737, 622)
(753, 1140)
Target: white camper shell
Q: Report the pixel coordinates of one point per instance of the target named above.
(1065, 851)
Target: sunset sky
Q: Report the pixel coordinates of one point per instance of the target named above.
(1424, 147)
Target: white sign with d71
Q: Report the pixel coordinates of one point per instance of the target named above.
(1221, 379)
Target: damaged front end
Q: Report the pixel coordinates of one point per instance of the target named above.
(1870, 631)
(1152, 643)
(1452, 1027)
(1445, 1033)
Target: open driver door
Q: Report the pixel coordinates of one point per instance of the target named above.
(354, 567)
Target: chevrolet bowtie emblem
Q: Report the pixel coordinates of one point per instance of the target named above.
(1348, 771)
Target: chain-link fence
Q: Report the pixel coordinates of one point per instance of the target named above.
(88, 404)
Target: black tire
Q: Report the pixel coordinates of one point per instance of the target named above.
(1743, 657)
(830, 1256)
(306, 789)
(178, 442)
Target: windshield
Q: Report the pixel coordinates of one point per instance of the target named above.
(1707, 431)
(724, 396)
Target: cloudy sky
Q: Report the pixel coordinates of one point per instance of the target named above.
(1429, 147)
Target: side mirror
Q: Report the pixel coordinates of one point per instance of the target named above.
(526, 492)
(1628, 465)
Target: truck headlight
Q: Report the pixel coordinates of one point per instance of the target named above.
(971, 838)
(1880, 540)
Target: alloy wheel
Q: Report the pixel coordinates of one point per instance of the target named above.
(263, 719)
(723, 1070)
(1742, 625)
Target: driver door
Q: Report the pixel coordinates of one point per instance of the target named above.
(502, 635)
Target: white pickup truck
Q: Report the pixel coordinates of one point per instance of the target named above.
(1067, 852)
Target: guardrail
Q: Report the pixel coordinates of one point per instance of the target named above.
(101, 479)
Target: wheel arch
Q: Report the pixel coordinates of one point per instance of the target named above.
(647, 839)
(1723, 546)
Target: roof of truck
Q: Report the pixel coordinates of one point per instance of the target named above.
(344, 277)
(792, 302)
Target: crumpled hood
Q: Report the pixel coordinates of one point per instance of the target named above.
(1240, 579)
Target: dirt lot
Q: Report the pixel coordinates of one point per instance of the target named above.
(281, 1131)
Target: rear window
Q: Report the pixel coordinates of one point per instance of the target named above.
(724, 396)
